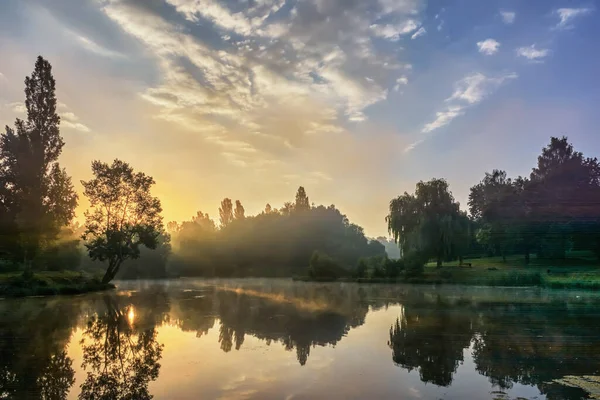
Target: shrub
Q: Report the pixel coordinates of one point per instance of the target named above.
(361, 268)
(322, 266)
(414, 264)
(393, 267)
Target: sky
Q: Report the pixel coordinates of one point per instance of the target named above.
(354, 100)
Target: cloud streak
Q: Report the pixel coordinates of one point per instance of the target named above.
(567, 15)
(468, 91)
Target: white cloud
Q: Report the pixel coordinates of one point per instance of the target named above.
(69, 120)
(469, 91)
(393, 32)
(488, 46)
(567, 15)
(17, 107)
(533, 54)
(413, 145)
(420, 32)
(443, 118)
(403, 80)
(508, 17)
(475, 87)
(93, 47)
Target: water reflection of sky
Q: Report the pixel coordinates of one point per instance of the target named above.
(283, 340)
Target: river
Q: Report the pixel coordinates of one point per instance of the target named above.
(278, 339)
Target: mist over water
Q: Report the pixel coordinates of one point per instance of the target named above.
(273, 339)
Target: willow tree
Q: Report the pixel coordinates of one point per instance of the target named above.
(123, 215)
(428, 221)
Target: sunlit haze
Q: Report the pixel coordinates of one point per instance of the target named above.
(354, 100)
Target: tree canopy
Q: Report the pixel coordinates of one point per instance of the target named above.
(37, 197)
(123, 214)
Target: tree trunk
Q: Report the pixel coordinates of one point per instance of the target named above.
(439, 262)
(460, 260)
(113, 268)
(527, 256)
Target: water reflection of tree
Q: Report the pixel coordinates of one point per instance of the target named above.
(120, 354)
(33, 339)
(526, 343)
(432, 341)
(535, 344)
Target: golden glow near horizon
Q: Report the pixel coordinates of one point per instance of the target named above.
(267, 98)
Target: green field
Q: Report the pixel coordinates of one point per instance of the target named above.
(577, 270)
(47, 283)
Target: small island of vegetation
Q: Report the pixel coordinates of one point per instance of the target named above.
(540, 230)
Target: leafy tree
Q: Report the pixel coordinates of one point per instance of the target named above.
(36, 194)
(239, 210)
(425, 221)
(226, 212)
(268, 209)
(562, 190)
(123, 216)
(302, 203)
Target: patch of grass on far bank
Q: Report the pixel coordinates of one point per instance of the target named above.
(50, 283)
(580, 271)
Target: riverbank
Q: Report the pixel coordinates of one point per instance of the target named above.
(478, 275)
(50, 284)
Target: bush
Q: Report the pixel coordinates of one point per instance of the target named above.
(393, 267)
(361, 268)
(414, 264)
(322, 266)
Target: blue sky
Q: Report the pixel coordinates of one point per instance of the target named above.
(355, 100)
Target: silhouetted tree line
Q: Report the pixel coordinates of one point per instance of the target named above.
(272, 243)
(555, 209)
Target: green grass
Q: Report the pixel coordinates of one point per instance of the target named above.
(49, 283)
(578, 271)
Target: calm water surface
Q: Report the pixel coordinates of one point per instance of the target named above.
(276, 339)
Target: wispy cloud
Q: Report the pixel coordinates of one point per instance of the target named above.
(508, 17)
(69, 120)
(403, 80)
(17, 107)
(393, 32)
(468, 91)
(420, 32)
(475, 87)
(567, 15)
(95, 48)
(488, 46)
(532, 53)
(443, 118)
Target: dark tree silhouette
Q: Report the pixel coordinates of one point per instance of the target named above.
(123, 215)
(36, 194)
(302, 203)
(226, 212)
(239, 210)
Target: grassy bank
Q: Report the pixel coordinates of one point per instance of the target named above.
(49, 284)
(572, 273)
